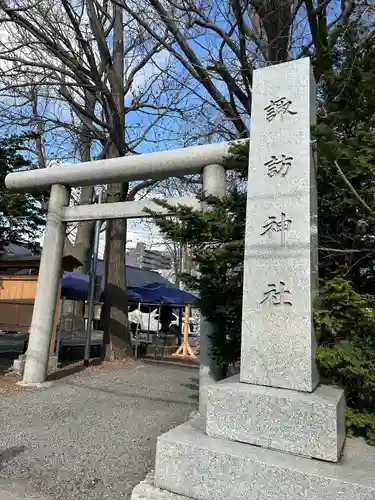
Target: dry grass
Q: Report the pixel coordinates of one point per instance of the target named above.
(96, 366)
(8, 382)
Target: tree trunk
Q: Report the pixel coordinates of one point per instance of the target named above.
(117, 342)
(84, 232)
(84, 236)
(276, 16)
(82, 245)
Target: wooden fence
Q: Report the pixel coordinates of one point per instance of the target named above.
(17, 295)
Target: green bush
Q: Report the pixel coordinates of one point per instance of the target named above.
(345, 323)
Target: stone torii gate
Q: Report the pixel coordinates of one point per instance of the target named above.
(211, 160)
(273, 432)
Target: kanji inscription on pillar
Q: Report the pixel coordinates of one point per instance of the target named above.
(278, 165)
(280, 267)
(275, 225)
(277, 295)
(280, 106)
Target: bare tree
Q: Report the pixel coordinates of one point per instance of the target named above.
(77, 52)
(218, 43)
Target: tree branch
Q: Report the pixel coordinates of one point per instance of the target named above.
(98, 32)
(142, 185)
(58, 51)
(343, 19)
(80, 110)
(361, 201)
(145, 59)
(349, 250)
(84, 44)
(233, 86)
(195, 67)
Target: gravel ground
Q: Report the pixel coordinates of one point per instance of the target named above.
(91, 435)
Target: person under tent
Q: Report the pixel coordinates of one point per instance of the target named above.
(166, 318)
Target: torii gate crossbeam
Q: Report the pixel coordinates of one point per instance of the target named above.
(211, 160)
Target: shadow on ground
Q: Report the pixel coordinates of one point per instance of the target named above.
(69, 368)
(193, 386)
(6, 361)
(138, 395)
(9, 453)
(91, 435)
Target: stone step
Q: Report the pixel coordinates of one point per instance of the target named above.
(192, 464)
(309, 424)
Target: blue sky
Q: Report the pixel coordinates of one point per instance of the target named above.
(170, 132)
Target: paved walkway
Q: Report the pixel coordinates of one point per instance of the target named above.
(90, 436)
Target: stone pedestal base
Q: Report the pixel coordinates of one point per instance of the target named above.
(18, 366)
(53, 363)
(309, 424)
(191, 464)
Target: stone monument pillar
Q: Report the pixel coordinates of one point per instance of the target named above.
(264, 427)
(280, 282)
(280, 269)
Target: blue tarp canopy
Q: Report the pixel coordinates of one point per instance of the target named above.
(165, 295)
(75, 286)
